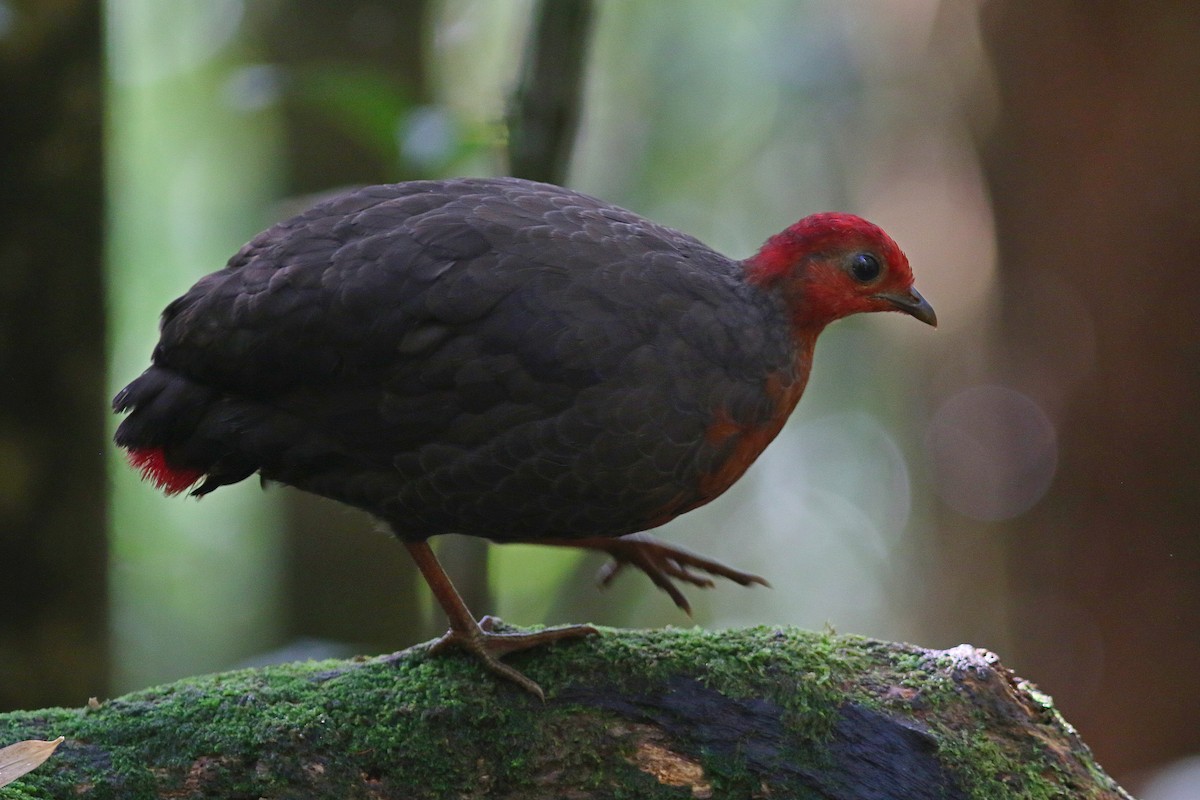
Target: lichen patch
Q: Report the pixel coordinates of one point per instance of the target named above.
(671, 768)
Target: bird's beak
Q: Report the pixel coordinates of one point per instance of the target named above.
(913, 304)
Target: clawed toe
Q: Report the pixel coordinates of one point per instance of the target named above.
(664, 564)
(489, 647)
(478, 638)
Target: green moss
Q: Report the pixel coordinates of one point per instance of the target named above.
(438, 727)
(989, 770)
(806, 673)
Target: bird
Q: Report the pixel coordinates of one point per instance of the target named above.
(503, 359)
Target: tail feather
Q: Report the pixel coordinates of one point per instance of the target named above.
(179, 432)
(165, 409)
(152, 463)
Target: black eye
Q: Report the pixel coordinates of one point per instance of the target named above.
(864, 267)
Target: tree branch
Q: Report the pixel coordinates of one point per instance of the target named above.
(749, 713)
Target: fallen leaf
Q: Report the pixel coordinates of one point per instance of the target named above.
(19, 758)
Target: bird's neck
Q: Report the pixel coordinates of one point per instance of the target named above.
(808, 308)
(804, 334)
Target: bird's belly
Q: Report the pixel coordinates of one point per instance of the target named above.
(609, 485)
(578, 475)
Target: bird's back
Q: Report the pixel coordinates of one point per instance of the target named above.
(492, 357)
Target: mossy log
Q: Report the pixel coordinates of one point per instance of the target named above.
(757, 713)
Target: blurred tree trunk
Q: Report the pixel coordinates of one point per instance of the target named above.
(53, 630)
(344, 580)
(545, 109)
(1095, 173)
(317, 44)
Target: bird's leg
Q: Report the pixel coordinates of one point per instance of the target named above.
(663, 563)
(479, 639)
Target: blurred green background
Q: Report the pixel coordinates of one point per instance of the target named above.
(1024, 479)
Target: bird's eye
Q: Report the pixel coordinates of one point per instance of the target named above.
(864, 267)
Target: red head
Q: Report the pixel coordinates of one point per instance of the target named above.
(831, 265)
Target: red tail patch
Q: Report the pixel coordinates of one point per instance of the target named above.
(154, 467)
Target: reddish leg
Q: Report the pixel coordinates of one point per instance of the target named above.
(663, 563)
(478, 639)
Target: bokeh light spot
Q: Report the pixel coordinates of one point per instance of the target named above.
(994, 452)
(1179, 780)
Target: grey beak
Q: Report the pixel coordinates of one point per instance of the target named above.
(913, 304)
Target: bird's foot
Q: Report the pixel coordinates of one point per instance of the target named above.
(663, 563)
(489, 647)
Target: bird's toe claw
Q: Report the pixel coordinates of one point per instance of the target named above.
(489, 647)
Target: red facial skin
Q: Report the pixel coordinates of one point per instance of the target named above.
(811, 263)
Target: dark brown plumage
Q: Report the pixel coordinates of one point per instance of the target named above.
(503, 359)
